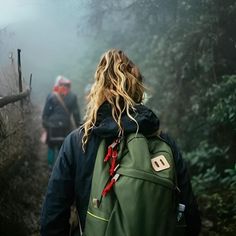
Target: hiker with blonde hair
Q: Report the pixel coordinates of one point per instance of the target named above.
(114, 110)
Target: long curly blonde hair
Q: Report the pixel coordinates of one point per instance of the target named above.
(117, 81)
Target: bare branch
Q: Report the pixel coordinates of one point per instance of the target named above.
(13, 98)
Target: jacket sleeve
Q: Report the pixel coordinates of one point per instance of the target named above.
(186, 197)
(60, 194)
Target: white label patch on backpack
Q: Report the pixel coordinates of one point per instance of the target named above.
(160, 163)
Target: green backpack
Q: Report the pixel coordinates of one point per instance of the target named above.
(133, 189)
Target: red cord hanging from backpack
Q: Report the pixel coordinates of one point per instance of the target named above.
(112, 155)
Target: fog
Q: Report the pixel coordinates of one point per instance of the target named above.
(66, 37)
(47, 32)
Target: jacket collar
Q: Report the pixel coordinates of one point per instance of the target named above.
(107, 127)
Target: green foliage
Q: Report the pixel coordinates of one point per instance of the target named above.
(218, 204)
(229, 180)
(223, 96)
(214, 178)
(206, 181)
(205, 156)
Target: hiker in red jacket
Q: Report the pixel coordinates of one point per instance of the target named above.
(114, 109)
(60, 116)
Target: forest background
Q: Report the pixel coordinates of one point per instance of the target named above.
(186, 50)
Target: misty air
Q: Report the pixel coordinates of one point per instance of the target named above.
(117, 117)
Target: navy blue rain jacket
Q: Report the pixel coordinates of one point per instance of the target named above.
(72, 174)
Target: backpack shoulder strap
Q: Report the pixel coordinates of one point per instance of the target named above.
(59, 98)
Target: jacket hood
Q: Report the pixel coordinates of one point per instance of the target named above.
(106, 126)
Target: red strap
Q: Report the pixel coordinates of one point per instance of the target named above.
(113, 162)
(108, 187)
(110, 149)
(109, 154)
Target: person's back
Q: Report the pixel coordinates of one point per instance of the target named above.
(60, 110)
(57, 115)
(114, 109)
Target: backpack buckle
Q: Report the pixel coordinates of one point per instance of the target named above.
(116, 177)
(96, 202)
(160, 163)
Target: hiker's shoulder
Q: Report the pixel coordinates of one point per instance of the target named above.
(168, 138)
(74, 138)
